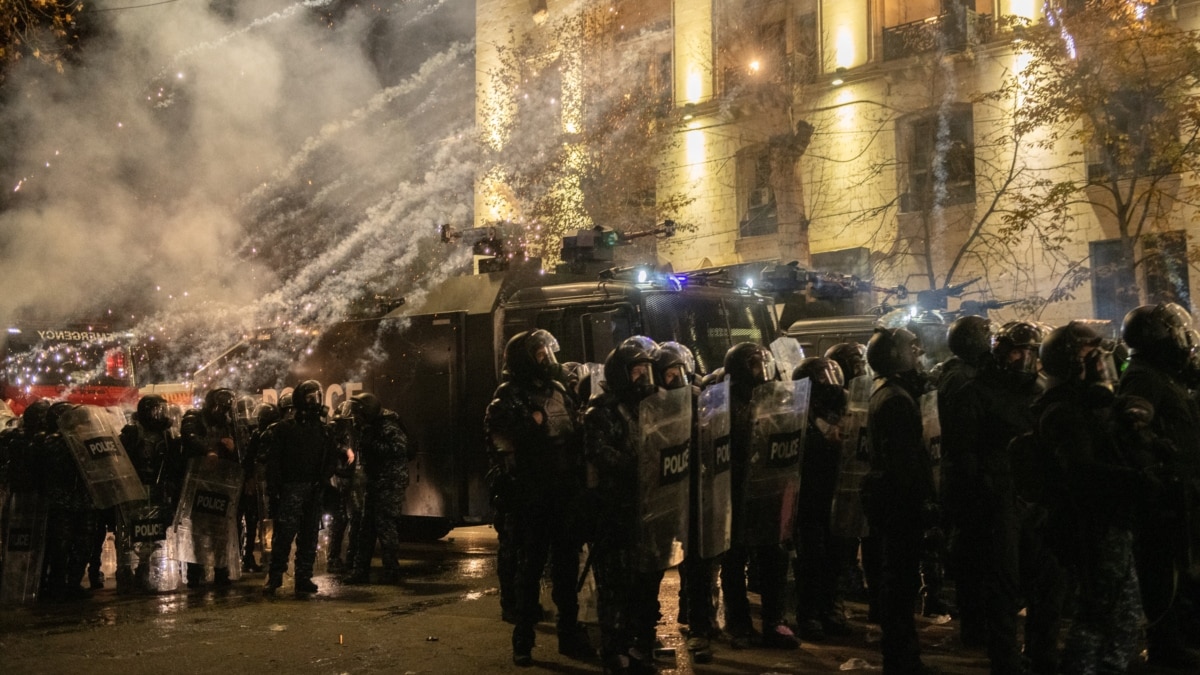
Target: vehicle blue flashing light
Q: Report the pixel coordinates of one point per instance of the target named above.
(642, 276)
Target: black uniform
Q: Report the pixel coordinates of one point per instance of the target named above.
(979, 416)
(71, 517)
(748, 365)
(1162, 544)
(627, 587)
(303, 452)
(383, 450)
(898, 491)
(531, 424)
(1091, 521)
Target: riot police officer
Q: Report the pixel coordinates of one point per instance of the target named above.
(983, 405)
(210, 443)
(71, 518)
(1095, 489)
(265, 415)
(749, 365)
(156, 452)
(899, 490)
(675, 368)
(627, 584)
(303, 452)
(851, 357)
(1162, 342)
(531, 426)
(26, 511)
(384, 449)
(819, 556)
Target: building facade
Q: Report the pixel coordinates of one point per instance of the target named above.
(862, 137)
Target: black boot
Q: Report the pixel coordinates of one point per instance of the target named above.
(573, 641)
(274, 581)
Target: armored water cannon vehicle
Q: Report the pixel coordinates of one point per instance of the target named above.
(437, 360)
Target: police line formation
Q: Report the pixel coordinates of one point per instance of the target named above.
(1040, 469)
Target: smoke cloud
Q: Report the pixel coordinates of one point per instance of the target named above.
(210, 167)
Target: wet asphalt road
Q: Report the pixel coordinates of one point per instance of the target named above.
(442, 618)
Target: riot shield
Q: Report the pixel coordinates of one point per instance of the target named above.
(95, 441)
(24, 544)
(847, 516)
(714, 482)
(206, 522)
(664, 447)
(788, 354)
(147, 548)
(931, 429)
(780, 412)
(595, 373)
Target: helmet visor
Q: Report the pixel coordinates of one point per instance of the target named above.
(541, 346)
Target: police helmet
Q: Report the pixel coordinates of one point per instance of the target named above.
(629, 369)
(34, 418)
(674, 355)
(1060, 352)
(266, 415)
(828, 385)
(851, 357)
(893, 350)
(366, 406)
(307, 397)
(749, 364)
(219, 406)
(54, 413)
(1019, 335)
(152, 413)
(969, 338)
(1161, 332)
(529, 355)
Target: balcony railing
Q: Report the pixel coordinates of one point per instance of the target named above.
(951, 32)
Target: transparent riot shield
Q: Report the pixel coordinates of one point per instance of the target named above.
(780, 412)
(788, 354)
(24, 544)
(206, 522)
(147, 548)
(95, 441)
(714, 481)
(664, 448)
(847, 516)
(931, 429)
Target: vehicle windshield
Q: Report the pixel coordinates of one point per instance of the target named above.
(709, 326)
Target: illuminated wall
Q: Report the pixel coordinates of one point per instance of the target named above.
(845, 34)
(850, 171)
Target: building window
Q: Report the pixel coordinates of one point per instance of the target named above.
(1133, 137)
(1163, 267)
(936, 153)
(759, 212)
(1164, 255)
(751, 44)
(922, 26)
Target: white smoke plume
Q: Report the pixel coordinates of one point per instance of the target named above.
(210, 167)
